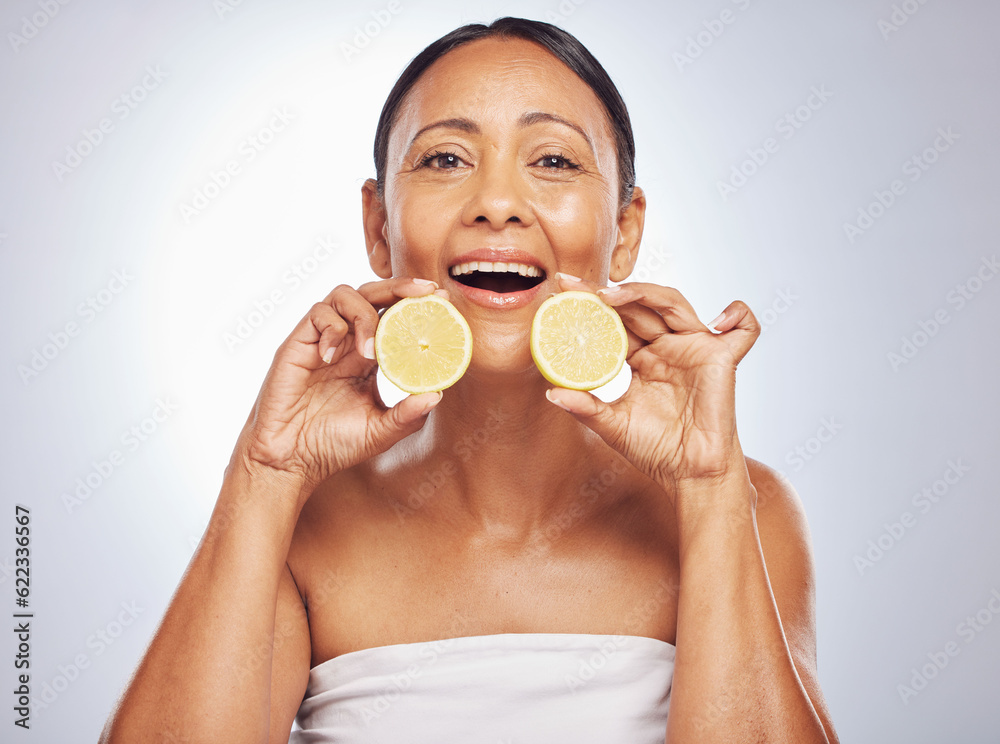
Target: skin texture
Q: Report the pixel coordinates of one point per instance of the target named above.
(503, 505)
(566, 217)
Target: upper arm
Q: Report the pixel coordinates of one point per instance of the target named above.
(785, 544)
(290, 659)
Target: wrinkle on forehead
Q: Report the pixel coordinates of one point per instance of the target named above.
(493, 82)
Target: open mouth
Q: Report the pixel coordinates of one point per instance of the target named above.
(498, 276)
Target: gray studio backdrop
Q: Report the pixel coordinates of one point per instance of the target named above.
(180, 181)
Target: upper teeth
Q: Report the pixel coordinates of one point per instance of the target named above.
(497, 266)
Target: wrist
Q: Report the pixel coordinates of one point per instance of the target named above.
(724, 472)
(263, 456)
(255, 504)
(728, 493)
(282, 485)
(716, 515)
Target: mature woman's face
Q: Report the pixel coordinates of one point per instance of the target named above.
(500, 153)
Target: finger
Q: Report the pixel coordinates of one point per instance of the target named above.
(738, 327)
(321, 331)
(332, 328)
(381, 294)
(672, 306)
(644, 322)
(635, 344)
(385, 292)
(404, 418)
(641, 323)
(412, 407)
(359, 315)
(568, 281)
(602, 418)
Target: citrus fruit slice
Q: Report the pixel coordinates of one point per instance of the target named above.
(578, 341)
(423, 344)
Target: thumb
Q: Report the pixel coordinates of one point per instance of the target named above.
(738, 327)
(602, 418)
(404, 418)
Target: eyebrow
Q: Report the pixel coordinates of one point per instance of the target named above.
(532, 117)
(536, 117)
(465, 125)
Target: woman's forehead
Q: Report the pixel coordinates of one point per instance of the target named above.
(496, 82)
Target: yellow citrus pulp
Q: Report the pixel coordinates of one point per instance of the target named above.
(423, 344)
(578, 341)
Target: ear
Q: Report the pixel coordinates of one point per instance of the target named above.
(373, 217)
(626, 250)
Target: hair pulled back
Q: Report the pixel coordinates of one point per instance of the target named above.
(563, 45)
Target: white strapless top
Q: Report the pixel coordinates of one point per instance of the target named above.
(516, 688)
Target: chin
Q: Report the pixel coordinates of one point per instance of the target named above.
(503, 362)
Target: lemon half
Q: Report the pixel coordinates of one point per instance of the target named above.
(578, 341)
(423, 344)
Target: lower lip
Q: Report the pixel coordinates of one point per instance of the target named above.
(498, 300)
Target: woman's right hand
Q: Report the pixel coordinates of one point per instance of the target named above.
(318, 411)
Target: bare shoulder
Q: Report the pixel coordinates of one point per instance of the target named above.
(787, 550)
(776, 497)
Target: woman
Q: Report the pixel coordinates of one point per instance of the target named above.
(488, 561)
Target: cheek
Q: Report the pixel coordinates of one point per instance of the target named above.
(417, 230)
(581, 228)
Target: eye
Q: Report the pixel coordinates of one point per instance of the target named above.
(441, 160)
(554, 160)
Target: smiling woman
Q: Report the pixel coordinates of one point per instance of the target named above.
(482, 561)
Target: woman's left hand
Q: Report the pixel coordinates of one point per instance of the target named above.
(676, 422)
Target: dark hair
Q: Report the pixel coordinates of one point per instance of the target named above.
(566, 47)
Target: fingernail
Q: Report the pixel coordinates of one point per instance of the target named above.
(548, 394)
(431, 403)
(329, 354)
(572, 278)
(369, 352)
(716, 322)
(608, 290)
(424, 281)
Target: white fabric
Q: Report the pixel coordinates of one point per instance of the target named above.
(494, 689)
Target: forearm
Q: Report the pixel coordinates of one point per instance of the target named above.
(734, 679)
(202, 678)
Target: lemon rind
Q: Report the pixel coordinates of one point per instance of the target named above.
(455, 314)
(542, 363)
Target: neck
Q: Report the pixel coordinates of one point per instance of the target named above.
(497, 456)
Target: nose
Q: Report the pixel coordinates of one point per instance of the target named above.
(498, 195)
